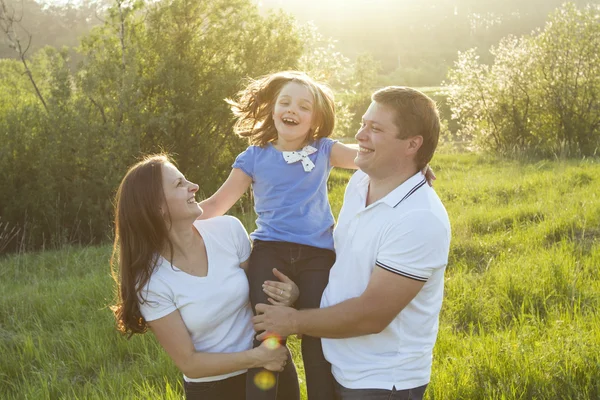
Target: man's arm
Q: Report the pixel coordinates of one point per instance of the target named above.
(412, 251)
(384, 298)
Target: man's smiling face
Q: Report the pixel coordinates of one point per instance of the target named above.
(381, 150)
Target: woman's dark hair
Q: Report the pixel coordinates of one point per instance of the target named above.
(141, 233)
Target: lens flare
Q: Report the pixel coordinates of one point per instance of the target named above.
(264, 380)
(272, 342)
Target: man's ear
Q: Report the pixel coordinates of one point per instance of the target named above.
(414, 144)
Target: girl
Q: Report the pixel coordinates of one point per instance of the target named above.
(287, 118)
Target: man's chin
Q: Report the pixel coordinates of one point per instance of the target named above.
(361, 163)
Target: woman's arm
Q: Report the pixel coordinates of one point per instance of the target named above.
(219, 203)
(343, 155)
(175, 339)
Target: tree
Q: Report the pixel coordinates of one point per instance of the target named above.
(9, 22)
(153, 76)
(357, 95)
(542, 92)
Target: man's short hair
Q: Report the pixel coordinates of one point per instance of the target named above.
(416, 115)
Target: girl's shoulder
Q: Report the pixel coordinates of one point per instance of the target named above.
(325, 140)
(253, 151)
(254, 148)
(324, 144)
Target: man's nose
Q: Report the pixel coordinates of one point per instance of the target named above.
(360, 135)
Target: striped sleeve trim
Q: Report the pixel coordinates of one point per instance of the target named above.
(402, 273)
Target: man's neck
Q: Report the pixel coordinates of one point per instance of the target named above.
(379, 187)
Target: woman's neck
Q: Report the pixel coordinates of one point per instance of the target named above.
(183, 237)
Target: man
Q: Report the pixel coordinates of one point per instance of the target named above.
(379, 312)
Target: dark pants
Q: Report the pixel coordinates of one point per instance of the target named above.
(234, 388)
(309, 268)
(343, 393)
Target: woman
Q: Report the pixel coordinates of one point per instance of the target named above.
(184, 280)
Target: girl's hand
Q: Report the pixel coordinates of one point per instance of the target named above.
(429, 175)
(284, 293)
(271, 355)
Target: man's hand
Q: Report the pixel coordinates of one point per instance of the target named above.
(275, 319)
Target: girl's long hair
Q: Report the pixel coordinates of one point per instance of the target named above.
(253, 107)
(141, 232)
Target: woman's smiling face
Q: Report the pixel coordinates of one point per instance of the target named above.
(179, 195)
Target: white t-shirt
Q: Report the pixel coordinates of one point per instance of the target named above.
(215, 308)
(407, 233)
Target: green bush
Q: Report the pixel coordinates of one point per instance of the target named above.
(541, 95)
(153, 77)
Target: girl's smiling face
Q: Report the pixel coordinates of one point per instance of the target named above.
(293, 115)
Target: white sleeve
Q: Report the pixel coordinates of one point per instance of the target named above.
(156, 300)
(415, 247)
(240, 239)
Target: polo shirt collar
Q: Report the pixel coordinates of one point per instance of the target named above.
(396, 196)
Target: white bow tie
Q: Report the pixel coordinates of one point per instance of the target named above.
(300, 155)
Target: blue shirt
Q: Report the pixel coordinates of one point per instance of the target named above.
(291, 204)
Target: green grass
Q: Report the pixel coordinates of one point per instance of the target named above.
(519, 319)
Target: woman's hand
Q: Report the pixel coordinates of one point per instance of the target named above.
(284, 293)
(429, 175)
(271, 355)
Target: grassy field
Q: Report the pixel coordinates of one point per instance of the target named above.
(519, 319)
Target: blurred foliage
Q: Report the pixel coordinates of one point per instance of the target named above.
(541, 95)
(416, 41)
(153, 77)
(53, 24)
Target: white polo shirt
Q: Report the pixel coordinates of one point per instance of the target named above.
(407, 233)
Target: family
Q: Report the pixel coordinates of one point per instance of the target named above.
(364, 297)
